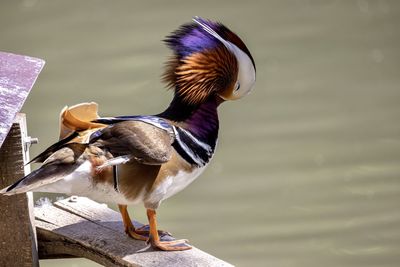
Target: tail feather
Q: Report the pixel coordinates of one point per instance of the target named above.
(11, 189)
(44, 175)
(61, 158)
(56, 166)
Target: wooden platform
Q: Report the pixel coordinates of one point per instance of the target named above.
(83, 228)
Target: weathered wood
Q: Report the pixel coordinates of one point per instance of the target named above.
(84, 228)
(18, 242)
(17, 75)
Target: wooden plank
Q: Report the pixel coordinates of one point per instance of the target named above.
(17, 75)
(92, 211)
(97, 233)
(18, 242)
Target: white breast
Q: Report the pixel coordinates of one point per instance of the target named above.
(174, 184)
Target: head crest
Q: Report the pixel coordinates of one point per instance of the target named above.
(204, 62)
(192, 37)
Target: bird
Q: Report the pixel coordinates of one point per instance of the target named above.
(145, 159)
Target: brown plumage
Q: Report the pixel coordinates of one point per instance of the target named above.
(197, 76)
(149, 145)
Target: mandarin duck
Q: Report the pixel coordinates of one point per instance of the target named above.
(147, 159)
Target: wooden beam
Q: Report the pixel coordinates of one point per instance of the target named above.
(18, 241)
(18, 74)
(83, 228)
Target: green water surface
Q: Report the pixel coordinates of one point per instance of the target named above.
(307, 168)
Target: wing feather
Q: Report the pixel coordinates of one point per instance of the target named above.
(145, 142)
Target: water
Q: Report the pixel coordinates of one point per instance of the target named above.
(306, 172)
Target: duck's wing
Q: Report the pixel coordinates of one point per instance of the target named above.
(115, 144)
(76, 137)
(53, 148)
(138, 139)
(147, 140)
(76, 126)
(150, 119)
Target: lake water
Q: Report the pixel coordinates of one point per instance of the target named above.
(307, 168)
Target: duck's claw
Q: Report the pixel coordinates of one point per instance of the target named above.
(173, 245)
(130, 231)
(166, 242)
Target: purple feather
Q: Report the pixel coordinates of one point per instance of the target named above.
(203, 123)
(191, 38)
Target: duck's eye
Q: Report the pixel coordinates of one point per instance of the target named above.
(237, 86)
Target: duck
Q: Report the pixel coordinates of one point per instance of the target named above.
(146, 159)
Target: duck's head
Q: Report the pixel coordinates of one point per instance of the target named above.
(209, 59)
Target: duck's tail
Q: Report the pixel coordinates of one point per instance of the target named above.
(76, 127)
(59, 164)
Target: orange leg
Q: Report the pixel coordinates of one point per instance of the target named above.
(174, 245)
(129, 227)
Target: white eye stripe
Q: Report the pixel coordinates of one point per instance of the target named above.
(246, 75)
(213, 33)
(208, 29)
(247, 72)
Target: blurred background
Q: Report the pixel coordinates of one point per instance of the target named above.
(307, 167)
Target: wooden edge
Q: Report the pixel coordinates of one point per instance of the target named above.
(20, 118)
(52, 245)
(18, 235)
(97, 233)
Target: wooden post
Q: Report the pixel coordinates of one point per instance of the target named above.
(17, 232)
